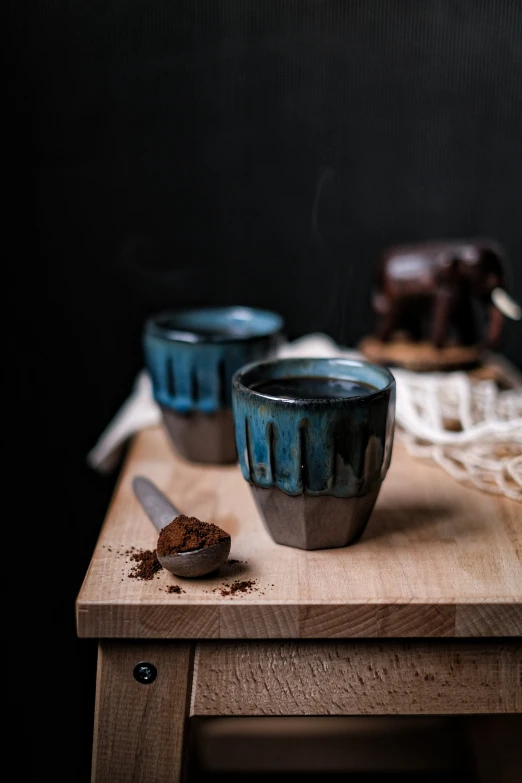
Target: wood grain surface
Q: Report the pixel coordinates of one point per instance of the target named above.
(437, 559)
(357, 678)
(139, 729)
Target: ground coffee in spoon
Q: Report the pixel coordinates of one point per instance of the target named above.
(187, 534)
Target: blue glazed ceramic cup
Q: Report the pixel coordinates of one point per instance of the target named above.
(315, 465)
(191, 356)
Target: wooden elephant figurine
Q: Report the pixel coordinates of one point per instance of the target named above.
(443, 290)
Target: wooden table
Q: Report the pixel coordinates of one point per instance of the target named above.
(421, 616)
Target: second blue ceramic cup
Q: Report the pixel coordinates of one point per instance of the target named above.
(191, 356)
(314, 440)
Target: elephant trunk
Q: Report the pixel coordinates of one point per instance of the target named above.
(506, 304)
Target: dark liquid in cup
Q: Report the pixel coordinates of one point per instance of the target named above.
(311, 388)
(230, 330)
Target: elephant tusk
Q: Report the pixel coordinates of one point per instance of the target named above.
(506, 304)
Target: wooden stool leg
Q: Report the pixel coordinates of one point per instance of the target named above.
(139, 724)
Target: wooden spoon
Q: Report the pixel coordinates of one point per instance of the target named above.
(161, 512)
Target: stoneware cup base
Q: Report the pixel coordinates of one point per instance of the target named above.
(313, 522)
(202, 437)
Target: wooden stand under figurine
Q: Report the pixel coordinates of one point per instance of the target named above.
(420, 356)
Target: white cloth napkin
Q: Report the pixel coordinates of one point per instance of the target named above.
(140, 410)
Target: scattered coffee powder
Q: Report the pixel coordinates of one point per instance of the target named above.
(147, 566)
(187, 534)
(174, 589)
(239, 586)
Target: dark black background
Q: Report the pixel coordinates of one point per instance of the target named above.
(259, 153)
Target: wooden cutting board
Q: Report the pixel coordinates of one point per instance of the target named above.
(437, 559)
